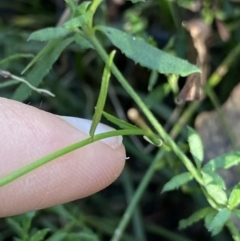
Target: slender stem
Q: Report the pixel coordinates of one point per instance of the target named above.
(26, 169)
(167, 139)
(233, 230)
(223, 68)
(137, 221)
(92, 9)
(137, 196)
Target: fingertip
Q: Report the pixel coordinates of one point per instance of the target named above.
(30, 134)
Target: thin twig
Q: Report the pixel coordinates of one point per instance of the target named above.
(8, 75)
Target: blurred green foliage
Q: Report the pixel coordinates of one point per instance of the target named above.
(75, 79)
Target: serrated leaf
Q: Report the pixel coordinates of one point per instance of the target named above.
(195, 217)
(209, 218)
(225, 161)
(234, 199)
(219, 220)
(49, 33)
(196, 147)
(40, 70)
(210, 177)
(177, 181)
(39, 235)
(146, 55)
(217, 193)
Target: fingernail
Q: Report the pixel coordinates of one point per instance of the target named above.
(84, 126)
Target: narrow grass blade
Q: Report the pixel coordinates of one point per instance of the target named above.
(41, 69)
(15, 56)
(103, 93)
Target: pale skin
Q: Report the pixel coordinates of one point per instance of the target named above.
(27, 134)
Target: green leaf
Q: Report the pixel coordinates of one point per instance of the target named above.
(237, 213)
(209, 218)
(173, 83)
(40, 70)
(82, 8)
(217, 194)
(103, 93)
(195, 217)
(146, 55)
(157, 95)
(225, 161)
(210, 177)
(78, 21)
(120, 123)
(152, 80)
(72, 5)
(88, 237)
(83, 236)
(27, 221)
(47, 48)
(17, 239)
(196, 147)
(177, 181)
(234, 199)
(219, 220)
(15, 225)
(49, 33)
(15, 56)
(39, 235)
(82, 42)
(8, 83)
(136, 1)
(59, 236)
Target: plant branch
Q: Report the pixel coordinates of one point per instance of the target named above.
(7, 75)
(166, 138)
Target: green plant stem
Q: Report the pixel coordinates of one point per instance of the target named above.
(223, 68)
(26, 169)
(233, 230)
(102, 95)
(169, 235)
(137, 222)
(103, 226)
(137, 196)
(175, 12)
(187, 114)
(92, 9)
(167, 139)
